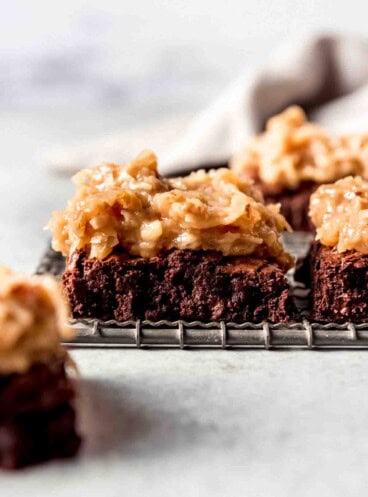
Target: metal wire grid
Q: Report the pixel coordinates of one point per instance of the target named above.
(182, 334)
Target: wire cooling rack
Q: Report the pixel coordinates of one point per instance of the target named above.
(182, 334)
(219, 334)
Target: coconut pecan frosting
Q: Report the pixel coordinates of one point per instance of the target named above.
(133, 207)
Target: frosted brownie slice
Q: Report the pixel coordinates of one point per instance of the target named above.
(339, 256)
(37, 415)
(293, 157)
(140, 246)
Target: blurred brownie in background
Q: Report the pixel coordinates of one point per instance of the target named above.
(293, 157)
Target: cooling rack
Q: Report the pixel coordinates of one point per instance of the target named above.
(195, 334)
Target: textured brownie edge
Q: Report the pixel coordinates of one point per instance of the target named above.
(37, 416)
(339, 284)
(180, 284)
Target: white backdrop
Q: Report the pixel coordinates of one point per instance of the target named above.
(153, 58)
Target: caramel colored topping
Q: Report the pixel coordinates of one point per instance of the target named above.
(292, 150)
(33, 320)
(340, 214)
(133, 207)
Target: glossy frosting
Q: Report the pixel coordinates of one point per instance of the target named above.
(133, 207)
(293, 150)
(340, 213)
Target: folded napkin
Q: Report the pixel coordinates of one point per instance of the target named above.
(326, 75)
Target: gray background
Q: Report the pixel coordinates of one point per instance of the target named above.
(163, 423)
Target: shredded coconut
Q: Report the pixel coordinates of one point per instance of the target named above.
(131, 206)
(33, 318)
(340, 214)
(292, 151)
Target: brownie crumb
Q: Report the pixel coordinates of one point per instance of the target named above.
(339, 283)
(37, 416)
(179, 284)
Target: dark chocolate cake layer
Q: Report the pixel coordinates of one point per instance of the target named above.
(339, 283)
(181, 284)
(294, 204)
(37, 417)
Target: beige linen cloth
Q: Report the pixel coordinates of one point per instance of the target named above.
(326, 75)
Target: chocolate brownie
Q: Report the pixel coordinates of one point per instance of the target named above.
(294, 203)
(178, 284)
(339, 283)
(37, 417)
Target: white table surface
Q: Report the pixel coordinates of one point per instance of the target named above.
(169, 422)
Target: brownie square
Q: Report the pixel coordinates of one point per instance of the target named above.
(179, 284)
(339, 284)
(37, 416)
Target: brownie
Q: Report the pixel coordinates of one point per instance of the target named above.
(37, 416)
(294, 203)
(178, 284)
(339, 283)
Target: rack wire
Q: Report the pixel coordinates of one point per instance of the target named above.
(181, 334)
